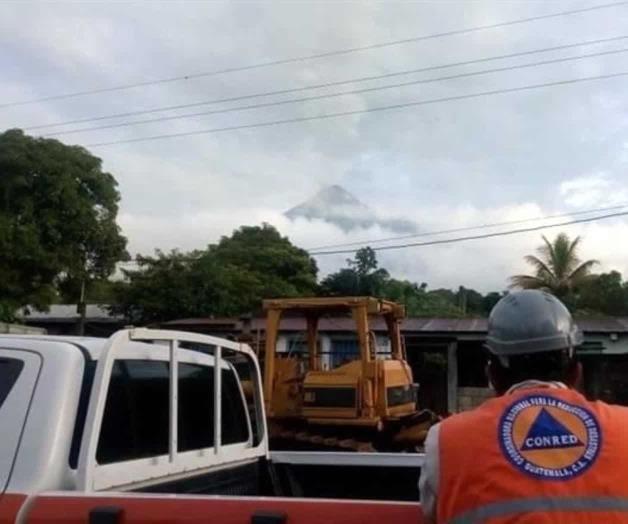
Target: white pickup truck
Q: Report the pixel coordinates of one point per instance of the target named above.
(153, 426)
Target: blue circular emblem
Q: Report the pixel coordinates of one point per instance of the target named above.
(548, 438)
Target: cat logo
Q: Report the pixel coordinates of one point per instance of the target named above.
(309, 397)
(548, 438)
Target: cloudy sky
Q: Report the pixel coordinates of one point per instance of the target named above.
(453, 164)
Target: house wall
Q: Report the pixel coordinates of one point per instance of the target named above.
(604, 359)
(470, 398)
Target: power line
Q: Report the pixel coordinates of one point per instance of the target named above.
(476, 237)
(315, 252)
(332, 84)
(469, 228)
(342, 93)
(361, 111)
(326, 54)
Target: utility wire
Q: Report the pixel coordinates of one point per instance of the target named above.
(339, 94)
(362, 111)
(330, 84)
(315, 252)
(327, 54)
(469, 228)
(475, 237)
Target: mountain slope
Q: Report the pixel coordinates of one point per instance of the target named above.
(335, 205)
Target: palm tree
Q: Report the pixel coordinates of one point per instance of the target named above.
(558, 269)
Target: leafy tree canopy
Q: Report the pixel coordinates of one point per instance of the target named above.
(58, 225)
(229, 278)
(363, 276)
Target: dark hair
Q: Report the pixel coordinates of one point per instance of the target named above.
(547, 366)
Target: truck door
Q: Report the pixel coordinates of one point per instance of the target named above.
(19, 370)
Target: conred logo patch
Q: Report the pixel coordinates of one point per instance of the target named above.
(548, 438)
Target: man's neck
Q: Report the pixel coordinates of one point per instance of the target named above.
(530, 384)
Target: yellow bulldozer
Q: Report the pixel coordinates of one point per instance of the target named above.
(366, 404)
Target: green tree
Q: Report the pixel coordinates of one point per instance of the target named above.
(262, 254)
(419, 301)
(443, 303)
(489, 301)
(230, 278)
(363, 277)
(558, 269)
(470, 301)
(162, 287)
(604, 293)
(58, 225)
(365, 261)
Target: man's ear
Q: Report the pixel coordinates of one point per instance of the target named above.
(489, 375)
(495, 378)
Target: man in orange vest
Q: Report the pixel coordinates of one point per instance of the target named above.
(539, 451)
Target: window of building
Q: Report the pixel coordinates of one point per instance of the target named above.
(471, 365)
(297, 345)
(343, 351)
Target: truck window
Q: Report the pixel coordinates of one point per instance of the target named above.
(234, 424)
(81, 413)
(10, 369)
(135, 421)
(196, 408)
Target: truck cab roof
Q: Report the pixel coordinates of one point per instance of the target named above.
(91, 347)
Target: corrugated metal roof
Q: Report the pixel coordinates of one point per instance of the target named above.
(410, 324)
(205, 322)
(604, 325)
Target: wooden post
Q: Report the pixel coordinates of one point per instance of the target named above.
(312, 342)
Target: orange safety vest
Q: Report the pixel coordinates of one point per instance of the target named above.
(538, 455)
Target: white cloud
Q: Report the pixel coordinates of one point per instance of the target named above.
(590, 191)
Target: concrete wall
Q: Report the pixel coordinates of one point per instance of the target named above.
(469, 398)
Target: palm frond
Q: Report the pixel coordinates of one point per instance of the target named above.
(571, 255)
(582, 271)
(528, 282)
(547, 251)
(542, 269)
(574, 245)
(564, 260)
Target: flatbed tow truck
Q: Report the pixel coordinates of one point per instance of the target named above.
(153, 426)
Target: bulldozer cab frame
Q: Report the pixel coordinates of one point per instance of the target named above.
(360, 308)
